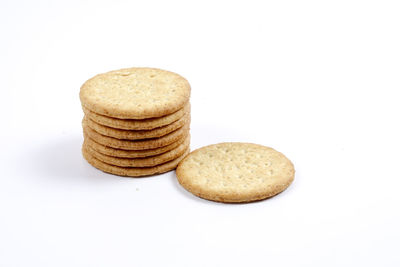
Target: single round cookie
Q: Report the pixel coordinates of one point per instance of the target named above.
(128, 171)
(235, 172)
(135, 93)
(137, 134)
(144, 124)
(121, 153)
(140, 162)
(138, 144)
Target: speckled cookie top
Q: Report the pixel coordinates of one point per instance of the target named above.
(235, 172)
(135, 93)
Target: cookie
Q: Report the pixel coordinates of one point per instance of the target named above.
(144, 124)
(135, 93)
(138, 144)
(136, 134)
(121, 153)
(131, 171)
(235, 172)
(140, 162)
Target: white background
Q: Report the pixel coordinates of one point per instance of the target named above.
(316, 80)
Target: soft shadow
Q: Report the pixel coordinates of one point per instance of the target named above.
(61, 160)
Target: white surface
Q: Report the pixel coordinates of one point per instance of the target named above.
(317, 80)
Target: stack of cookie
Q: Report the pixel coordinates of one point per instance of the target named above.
(136, 121)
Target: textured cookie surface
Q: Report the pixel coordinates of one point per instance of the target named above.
(235, 172)
(144, 124)
(132, 172)
(139, 144)
(135, 93)
(140, 162)
(137, 134)
(121, 153)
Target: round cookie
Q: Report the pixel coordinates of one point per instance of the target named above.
(131, 124)
(135, 93)
(138, 144)
(136, 134)
(235, 172)
(121, 153)
(140, 162)
(128, 171)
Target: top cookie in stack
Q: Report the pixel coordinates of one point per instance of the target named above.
(136, 121)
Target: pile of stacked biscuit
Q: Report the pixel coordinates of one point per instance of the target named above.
(136, 121)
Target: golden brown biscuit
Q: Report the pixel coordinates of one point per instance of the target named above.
(135, 93)
(132, 172)
(235, 172)
(121, 153)
(140, 162)
(138, 144)
(144, 124)
(137, 134)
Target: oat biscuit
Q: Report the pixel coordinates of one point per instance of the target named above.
(121, 153)
(136, 134)
(144, 124)
(140, 162)
(131, 171)
(139, 144)
(135, 93)
(235, 172)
